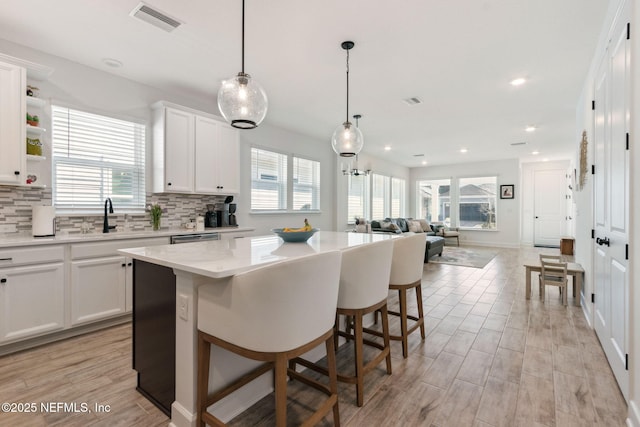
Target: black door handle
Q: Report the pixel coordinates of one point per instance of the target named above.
(604, 241)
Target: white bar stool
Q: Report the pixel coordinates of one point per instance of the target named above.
(271, 314)
(406, 273)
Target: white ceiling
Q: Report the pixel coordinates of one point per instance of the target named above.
(458, 57)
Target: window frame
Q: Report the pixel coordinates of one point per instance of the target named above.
(460, 204)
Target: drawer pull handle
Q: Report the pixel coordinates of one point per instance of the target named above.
(130, 264)
(3, 280)
(124, 265)
(6, 259)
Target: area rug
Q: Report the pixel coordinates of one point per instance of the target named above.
(467, 257)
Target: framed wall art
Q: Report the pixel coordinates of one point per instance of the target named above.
(506, 191)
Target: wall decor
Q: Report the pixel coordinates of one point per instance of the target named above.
(583, 161)
(506, 191)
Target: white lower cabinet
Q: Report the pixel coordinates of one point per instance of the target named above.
(98, 289)
(32, 292)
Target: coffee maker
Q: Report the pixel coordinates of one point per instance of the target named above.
(223, 210)
(210, 218)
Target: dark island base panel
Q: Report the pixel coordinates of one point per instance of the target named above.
(154, 333)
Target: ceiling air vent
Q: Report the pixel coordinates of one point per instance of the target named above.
(155, 17)
(418, 155)
(518, 143)
(413, 101)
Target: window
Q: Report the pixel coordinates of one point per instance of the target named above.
(434, 200)
(95, 157)
(268, 180)
(306, 184)
(397, 197)
(357, 197)
(477, 202)
(379, 196)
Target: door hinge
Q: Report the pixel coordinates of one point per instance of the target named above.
(626, 251)
(628, 30)
(593, 233)
(626, 361)
(593, 169)
(593, 298)
(593, 105)
(627, 140)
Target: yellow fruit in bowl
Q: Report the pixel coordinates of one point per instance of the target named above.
(307, 227)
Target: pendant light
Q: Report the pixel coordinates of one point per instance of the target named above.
(241, 99)
(347, 139)
(353, 168)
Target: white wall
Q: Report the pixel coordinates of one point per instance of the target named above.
(508, 210)
(377, 166)
(527, 185)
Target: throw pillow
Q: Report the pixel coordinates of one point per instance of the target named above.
(425, 225)
(415, 226)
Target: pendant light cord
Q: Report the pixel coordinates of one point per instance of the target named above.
(242, 36)
(347, 121)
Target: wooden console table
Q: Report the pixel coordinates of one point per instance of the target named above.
(573, 269)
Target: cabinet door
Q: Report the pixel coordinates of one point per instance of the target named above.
(12, 124)
(228, 163)
(31, 300)
(206, 156)
(98, 289)
(179, 151)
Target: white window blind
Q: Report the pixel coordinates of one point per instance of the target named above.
(306, 184)
(268, 180)
(397, 198)
(379, 196)
(356, 202)
(95, 157)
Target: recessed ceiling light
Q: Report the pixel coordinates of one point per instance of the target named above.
(545, 160)
(424, 162)
(387, 148)
(463, 150)
(518, 82)
(535, 153)
(530, 128)
(113, 63)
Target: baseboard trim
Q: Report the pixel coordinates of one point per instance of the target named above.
(633, 418)
(61, 335)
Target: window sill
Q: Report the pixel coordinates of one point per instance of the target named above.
(488, 230)
(285, 212)
(100, 212)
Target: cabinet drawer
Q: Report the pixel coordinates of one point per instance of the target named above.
(38, 255)
(101, 249)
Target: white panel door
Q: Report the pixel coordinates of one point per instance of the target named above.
(31, 300)
(612, 205)
(549, 206)
(178, 151)
(206, 153)
(98, 289)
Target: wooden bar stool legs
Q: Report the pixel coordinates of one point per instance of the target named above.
(405, 330)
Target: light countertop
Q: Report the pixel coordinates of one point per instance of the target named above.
(26, 239)
(224, 258)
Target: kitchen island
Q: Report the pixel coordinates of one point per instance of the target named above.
(197, 264)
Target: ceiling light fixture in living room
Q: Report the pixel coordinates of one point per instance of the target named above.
(347, 140)
(241, 99)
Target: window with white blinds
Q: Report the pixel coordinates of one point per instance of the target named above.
(268, 180)
(397, 198)
(95, 157)
(357, 197)
(379, 196)
(306, 184)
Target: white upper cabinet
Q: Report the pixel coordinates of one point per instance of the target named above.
(12, 124)
(193, 152)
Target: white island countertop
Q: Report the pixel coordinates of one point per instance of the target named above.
(223, 258)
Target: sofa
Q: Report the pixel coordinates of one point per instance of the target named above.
(434, 243)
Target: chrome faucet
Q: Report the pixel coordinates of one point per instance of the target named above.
(106, 227)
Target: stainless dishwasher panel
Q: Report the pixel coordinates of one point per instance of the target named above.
(190, 238)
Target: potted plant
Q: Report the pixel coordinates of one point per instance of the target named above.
(33, 120)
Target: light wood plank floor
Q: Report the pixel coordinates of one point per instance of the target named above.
(491, 358)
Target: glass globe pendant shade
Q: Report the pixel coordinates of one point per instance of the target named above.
(242, 101)
(347, 140)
